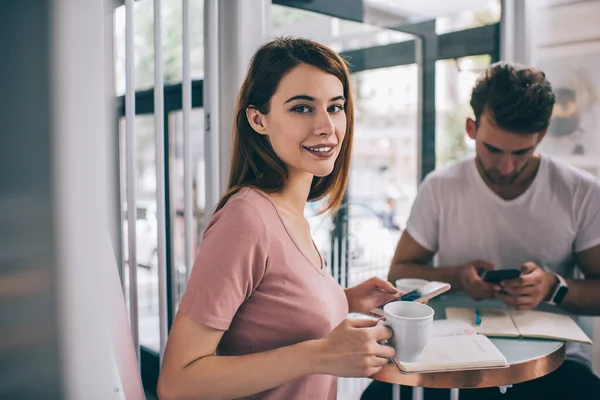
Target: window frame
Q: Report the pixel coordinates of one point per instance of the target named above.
(425, 50)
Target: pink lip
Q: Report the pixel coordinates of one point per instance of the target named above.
(320, 146)
(322, 155)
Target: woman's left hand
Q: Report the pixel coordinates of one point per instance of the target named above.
(370, 294)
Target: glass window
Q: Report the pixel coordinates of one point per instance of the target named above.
(147, 224)
(475, 14)
(573, 132)
(172, 43)
(177, 233)
(383, 176)
(339, 34)
(146, 228)
(383, 180)
(282, 16)
(454, 82)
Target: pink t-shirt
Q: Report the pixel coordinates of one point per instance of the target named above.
(252, 281)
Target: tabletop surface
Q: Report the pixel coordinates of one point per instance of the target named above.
(515, 350)
(528, 358)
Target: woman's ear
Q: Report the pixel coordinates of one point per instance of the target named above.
(257, 120)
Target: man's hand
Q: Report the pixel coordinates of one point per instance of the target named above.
(530, 289)
(472, 284)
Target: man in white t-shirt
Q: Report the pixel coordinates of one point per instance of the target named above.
(509, 207)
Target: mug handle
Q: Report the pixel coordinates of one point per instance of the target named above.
(385, 342)
(385, 323)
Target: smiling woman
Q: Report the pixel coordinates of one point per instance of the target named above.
(261, 317)
(323, 150)
(279, 123)
(305, 128)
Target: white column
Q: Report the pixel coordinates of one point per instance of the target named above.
(186, 101)
(243, 27)
(159, 130)
(131, 172)
(417, 393)
(211, 108)
(454, 394)
(112, 143)
(97, 352)
(395, 392)
(514, 32)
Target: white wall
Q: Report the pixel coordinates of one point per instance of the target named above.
(96, 347)
(564, 22)
(565, 41)
(243, 28)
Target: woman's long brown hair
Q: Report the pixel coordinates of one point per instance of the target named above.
(253, 161)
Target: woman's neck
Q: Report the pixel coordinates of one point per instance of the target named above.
(293, 196)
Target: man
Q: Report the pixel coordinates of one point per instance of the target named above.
(510, 208)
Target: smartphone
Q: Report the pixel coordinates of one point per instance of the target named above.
(499, 275)
(422, 294)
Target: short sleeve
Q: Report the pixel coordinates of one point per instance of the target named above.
(230, 264)
(423, 222)
(588, 223)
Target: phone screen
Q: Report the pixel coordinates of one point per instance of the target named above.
(420, 292)
(427, 291)
(497, 276)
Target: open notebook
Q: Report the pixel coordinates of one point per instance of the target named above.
(512, 323)
(455, 346)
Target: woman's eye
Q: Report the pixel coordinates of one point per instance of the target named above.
(301, 109)
(336, 108)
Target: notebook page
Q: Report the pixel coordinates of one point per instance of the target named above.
(548, 325)
(451, 327)
(457, 353)
(494, 321)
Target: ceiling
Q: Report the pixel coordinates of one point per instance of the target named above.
(401, 12)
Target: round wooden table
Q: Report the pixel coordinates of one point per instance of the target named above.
(528, 359)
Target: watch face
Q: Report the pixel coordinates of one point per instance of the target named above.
(560, 294)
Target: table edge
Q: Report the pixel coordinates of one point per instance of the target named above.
(515, 373)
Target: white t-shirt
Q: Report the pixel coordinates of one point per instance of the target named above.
(459, 218)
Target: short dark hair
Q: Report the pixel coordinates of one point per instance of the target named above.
(519, 98)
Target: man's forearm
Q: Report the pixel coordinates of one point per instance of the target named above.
(427, 272)
(583, 297)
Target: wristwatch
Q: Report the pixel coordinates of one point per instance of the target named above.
(560, 291)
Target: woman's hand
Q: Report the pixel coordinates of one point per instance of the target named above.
(351, 349)
(370, 294)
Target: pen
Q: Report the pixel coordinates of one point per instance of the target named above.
(477, 317)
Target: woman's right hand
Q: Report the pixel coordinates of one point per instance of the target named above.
(351, 349)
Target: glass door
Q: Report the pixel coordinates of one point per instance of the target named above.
(407, 108)
(146, 180)
(384, 174)
(358, 242)
(392, 53)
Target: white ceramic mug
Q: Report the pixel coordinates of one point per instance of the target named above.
(411, 323)
(407, 284)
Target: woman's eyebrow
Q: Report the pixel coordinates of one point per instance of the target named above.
(311, 98)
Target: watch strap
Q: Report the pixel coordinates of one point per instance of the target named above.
(559, 292)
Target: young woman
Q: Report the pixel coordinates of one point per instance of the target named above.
(261, 317)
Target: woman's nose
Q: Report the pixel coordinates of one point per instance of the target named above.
(324, 125)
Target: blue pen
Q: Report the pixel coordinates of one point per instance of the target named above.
(477, 317)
